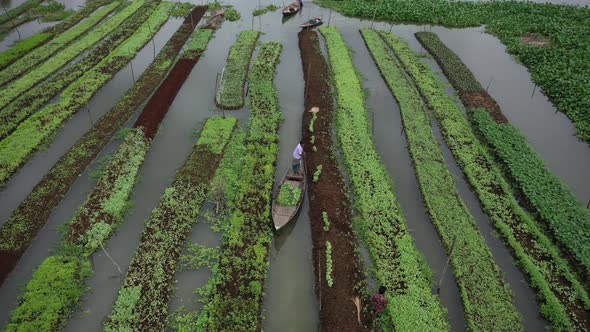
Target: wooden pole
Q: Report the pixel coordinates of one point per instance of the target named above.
(320, 276)
(446, 265)
(307, 78)
(489, 83)
(329, 16)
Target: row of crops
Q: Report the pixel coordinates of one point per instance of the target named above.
(233, 167)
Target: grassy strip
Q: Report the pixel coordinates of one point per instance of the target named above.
(18, 147)
(24, 46)
(50, 296)
(24, 106)
(487, 308)
(149, 281)
(58, 61)
(264, 10)
(35, 57)
(46, 11)
(557, 287)
(560, 67)
(19, 230)
(546, 194)
(89, 228)
(231, 87)
(111, 199)
(398, 264)
(236, 302)
(17, 11)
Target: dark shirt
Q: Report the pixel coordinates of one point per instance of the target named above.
(379, 302)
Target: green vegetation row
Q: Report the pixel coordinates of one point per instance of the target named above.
(231, 87)
(397, 263)
(223, 193)
(44, 52)
(50, 299)
(142, 303)
(562, 297)
(488, 308)
(25, 105)
(44, 11)
(30, 135)
(17, 11)
(21, 228)
(567, 219)
(91, 225)
(236, 296)
(560, 68)
(455, 70)
(264, 10)
(22, 47)
(550, 198)
(58, 61)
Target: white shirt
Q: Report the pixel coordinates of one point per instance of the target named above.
(298, 151)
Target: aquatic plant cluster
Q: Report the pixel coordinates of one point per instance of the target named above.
(231, 87)
(560, 68)
(539, 258)
(485, 307)
(398, 264)
(235, 303)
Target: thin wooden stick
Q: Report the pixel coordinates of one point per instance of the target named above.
(446, 265)
(112, 260)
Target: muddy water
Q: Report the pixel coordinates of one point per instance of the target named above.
(22, 183)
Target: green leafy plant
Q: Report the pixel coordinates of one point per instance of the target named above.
(264, 10)
(326, 221)
(53, 63)
(314, 148)
(166, 230)
(289, 195)
(231, 88)
(30, 135)
(24, 106)
(247, 234)
(312, 121)
(542, 262)
(317, 173)
(475, 264)
(181, 9)
(381, 222)
(329, 267)
(312, 139)
(562, 78)
(232, 14)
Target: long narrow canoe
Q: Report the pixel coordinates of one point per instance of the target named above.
(292, 8)
(281, 215)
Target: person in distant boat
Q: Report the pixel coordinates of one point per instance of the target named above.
(297, 154)
(379, 301)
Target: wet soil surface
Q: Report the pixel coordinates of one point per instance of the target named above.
(328, 195)
(483, 100)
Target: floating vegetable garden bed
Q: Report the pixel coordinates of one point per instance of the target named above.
(397, 263)
(24, 106)
(19, 146)
(103, 210)
(19, 230)
(56, 45)
(24, 46)
(59, 60)
(231, 87)
(142, 303)
(330, 215)
(486, 308)
(560, 68)
(544, 192)
(562, 295)
(238, 280)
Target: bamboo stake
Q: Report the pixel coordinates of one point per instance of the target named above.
(320, 276)
(446, 265)
(112, 260)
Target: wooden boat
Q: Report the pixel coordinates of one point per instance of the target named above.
(281, 215)
(312, 23)
(292, 8)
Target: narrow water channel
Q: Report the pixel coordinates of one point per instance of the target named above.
(25, 30)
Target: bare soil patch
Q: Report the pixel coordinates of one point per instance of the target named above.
(535, 39)
(337, 310)
(483, 100)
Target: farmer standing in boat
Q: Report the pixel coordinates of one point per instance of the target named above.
(297, 154)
